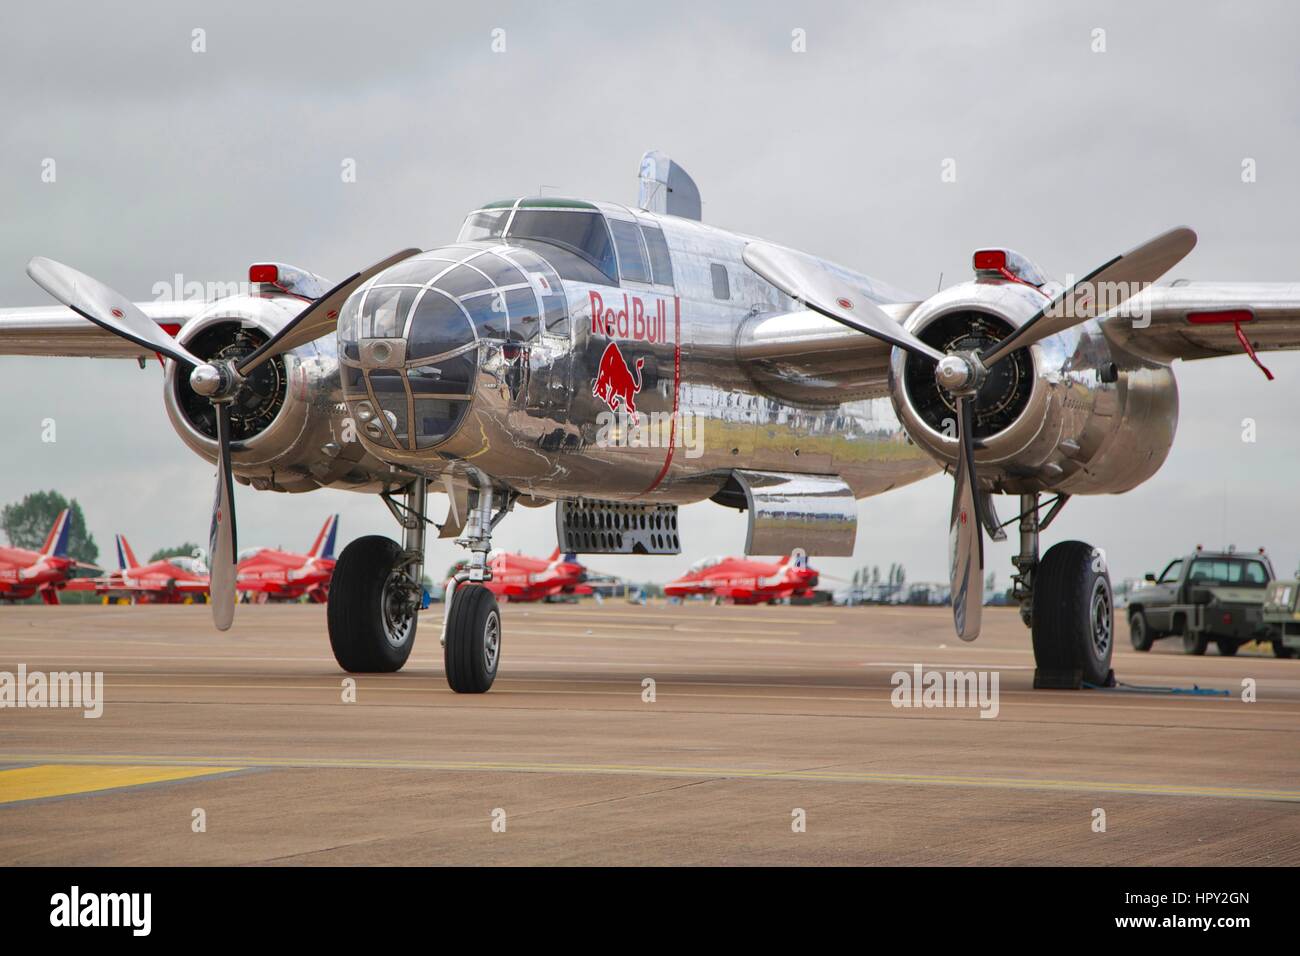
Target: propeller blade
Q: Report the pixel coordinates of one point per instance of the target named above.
(965, 537)
(804, 278)
(221, 536)
(319, 318)
(1121, 277)
(107, 308)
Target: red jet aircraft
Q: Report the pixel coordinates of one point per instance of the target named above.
(285, 576)
(176, 580)
(516, 577)
(745, 581)
(24, 573)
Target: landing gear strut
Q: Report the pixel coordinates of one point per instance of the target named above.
(375, 594)
(471, 622)
(1066, 601)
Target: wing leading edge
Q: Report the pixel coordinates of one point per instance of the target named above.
(56, 330)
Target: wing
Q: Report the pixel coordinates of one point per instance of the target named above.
(1195, 320)
(56, 330)
(805, 357)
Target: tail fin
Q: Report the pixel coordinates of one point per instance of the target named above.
(56, 542)
(125, 556)
(323, 546)
(555, 555)
(799, 558)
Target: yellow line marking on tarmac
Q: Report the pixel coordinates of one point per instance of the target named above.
(211, 764)
(66, 779)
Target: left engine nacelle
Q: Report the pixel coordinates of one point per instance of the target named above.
(1070, 413)
(290, 430)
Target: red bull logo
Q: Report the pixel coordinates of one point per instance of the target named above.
(614, 382)
(633, 321)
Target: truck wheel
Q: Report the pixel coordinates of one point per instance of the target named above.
(1195, 644)
(1281, 650)
(1227, 647)
(1139, 632)
(371, 614)
(1073, 617)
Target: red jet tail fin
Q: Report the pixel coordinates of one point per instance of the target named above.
(56, 542)
(323, 546)
(125, 556)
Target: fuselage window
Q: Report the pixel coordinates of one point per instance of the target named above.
(661, 264)
(627, 240)
(721, 287)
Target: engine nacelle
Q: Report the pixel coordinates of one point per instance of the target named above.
(290, 428)
(1070, 413)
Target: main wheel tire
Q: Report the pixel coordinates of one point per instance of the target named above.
(1281, 650)
(369, 631)
(1195, 645)
(473, 649)
(1227, 646)
(1139, 632)
(1073, 613)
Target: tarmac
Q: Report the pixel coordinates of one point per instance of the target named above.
(766, 736)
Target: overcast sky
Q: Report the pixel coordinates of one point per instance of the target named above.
(171, 161)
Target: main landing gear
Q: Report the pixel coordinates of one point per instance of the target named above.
(375, 596)
(1066, 601)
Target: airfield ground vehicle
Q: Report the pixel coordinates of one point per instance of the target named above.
(1202, 597)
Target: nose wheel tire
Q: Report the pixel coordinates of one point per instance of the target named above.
(372, 609)
(473, 650)
(1073, 617)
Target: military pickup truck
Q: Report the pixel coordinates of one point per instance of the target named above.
(1282, 613)
(1205, 596)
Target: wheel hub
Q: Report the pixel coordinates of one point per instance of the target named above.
(399, 609)
(491, 641)
(1101, 619)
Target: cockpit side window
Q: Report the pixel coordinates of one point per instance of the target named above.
(631, 261)
(578, 231)
(484, 225)
(661, 264)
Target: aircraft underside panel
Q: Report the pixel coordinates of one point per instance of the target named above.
(587, 526)
(786, 511)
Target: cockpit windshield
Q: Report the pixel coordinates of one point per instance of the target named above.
(576, 227)
(704, 564)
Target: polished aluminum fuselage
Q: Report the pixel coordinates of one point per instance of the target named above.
(700, 414)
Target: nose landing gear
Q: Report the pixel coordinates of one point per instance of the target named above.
(471, 622)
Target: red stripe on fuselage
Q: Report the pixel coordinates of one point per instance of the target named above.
(677, 391)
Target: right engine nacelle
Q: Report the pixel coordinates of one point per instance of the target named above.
(1069, 413)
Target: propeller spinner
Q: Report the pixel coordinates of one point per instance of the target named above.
(219, 382)
(961, 373)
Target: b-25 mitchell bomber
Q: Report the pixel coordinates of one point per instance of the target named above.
(525, 362)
